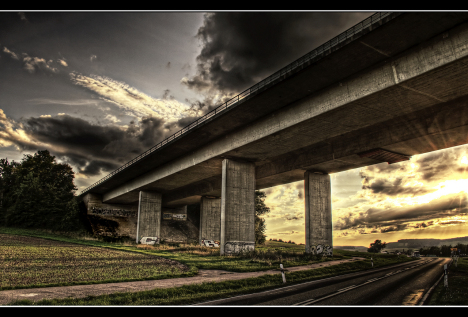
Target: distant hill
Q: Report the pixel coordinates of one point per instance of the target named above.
(410, 243)
(350, 248)
(420, 243)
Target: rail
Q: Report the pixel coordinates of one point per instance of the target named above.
(279, 75)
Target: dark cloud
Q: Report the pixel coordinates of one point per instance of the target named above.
(167, 95)
(95, 167)
(428, 170)
(182, 123)
(300, 195)
(444, 206)
(421, 225)
(452, 222)
(89, 147)
(241, 48)
(151, 131)
(208, 103)
(399, 227)
(393, 187)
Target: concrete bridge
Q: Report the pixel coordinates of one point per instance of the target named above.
(393, 86)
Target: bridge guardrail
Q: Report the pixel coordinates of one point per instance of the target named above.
(279, 75)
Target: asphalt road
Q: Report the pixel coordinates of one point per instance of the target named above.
(403, 285)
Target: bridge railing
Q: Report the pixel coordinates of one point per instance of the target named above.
(277, 76)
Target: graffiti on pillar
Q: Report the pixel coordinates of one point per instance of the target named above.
(235, 247)
(173, 216)
(113, 212)
(321, 249)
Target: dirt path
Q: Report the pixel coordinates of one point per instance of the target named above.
(80, 291)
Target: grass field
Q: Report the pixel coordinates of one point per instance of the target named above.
(55, 259)
(457, 290)
(35, 262)
(192, 294)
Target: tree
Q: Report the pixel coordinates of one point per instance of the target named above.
(38, 193)
(7, 184)
(260, 210)
(377, 246)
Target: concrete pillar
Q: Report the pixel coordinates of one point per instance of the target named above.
(237, 207)
(210, 219)
(149, 215)
(318, 213)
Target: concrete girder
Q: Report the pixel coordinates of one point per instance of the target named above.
(428, 74)
(438, 127)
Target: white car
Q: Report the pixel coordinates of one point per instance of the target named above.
(210, 243)
(149, 240)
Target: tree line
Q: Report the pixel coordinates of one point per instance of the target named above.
(444, 250)
(39, 192)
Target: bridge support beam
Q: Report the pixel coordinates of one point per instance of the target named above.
(149, 215)
(237, 207)
(210, 219)
(318, 213)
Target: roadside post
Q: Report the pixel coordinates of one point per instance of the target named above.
(282, 273)
(372, 261)
(445, 276)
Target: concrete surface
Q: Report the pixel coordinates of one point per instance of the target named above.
(318, 213)
(149, 215)
(210, 219)
(237, 207)
(204, 276)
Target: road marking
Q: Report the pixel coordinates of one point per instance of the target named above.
(346, 288)
(411, 300)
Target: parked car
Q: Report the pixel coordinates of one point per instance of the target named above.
(149, 240)
(210, 243)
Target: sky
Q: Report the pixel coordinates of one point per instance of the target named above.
(97, 89)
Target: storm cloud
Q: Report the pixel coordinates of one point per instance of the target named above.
(450, 205)
(242, 48)
(416, 177)
(90, 147)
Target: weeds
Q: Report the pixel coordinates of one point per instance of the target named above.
(279, 256)
(455, 293)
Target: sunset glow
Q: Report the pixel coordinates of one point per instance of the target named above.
(389, 202)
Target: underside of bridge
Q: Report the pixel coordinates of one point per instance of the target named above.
(392, 92)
